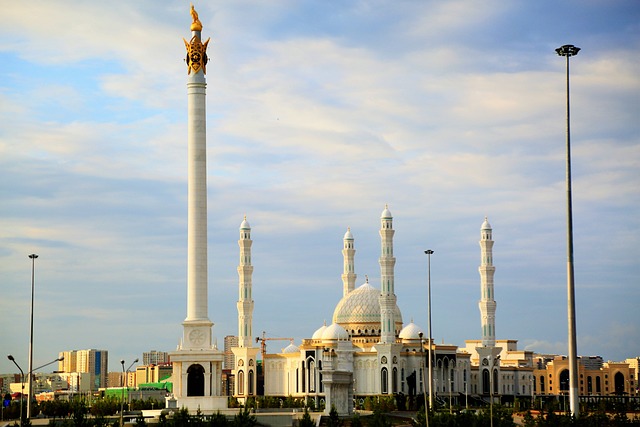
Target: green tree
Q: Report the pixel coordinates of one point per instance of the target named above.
(334, 420)
(306, 420)
(244, 419)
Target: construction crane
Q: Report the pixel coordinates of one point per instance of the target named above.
(263, 343)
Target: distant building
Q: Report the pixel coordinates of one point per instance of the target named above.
(612, 378)
(94, 362)
(155, 357)
(152, 373)
(230, 341)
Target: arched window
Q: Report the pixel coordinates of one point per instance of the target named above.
(598, 386)
(618, 381)
(485, 381)
(589, 385)
(495, 381)
(564, 381)
(250, 384)
(394, 380)
(240, 386)
(195, 380)
(384, 381)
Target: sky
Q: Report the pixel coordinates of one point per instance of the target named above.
(319, 113)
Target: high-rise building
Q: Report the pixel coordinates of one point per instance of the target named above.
(155, 357)
(92, 361)
(230, 341)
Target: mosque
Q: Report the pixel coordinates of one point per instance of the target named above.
(367, 350)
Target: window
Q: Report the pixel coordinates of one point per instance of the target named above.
(384, 381)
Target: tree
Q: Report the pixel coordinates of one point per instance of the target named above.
(306, 420)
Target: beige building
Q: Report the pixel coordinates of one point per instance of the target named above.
(613, 378)
(91, 361)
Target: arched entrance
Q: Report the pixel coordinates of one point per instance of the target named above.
(195, 380)
(618, 381)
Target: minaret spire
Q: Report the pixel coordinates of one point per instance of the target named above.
(348, 272)
(245, 300)
(487, 302)
(387, 288)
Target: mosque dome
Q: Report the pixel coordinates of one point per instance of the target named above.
(485, 224)
(348, 235)
(335, 332)
(318, 333)
(245, 224)
(359, 312)
(386, 213)
(410, 332)
(291, 348)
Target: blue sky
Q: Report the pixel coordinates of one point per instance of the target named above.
(319, 113)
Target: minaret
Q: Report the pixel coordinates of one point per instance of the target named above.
(245, 301)
(348, 272)
(245, 355)
(487, 303)
(387, 289)
(197, 363)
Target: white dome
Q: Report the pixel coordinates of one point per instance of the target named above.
(335, 332)
(386, 213)
(291, 348)
(318, 333)
(359, 311)
(245, 224)
(348, 235)
(485, 224)
(410, 332)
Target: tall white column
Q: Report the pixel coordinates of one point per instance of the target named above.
(245, 300)
(387, 289)
(348, 271)
(487, 303)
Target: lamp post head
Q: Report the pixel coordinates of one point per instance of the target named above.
(10, 357)
(136, 361)
(122, 362)
(33, 256)
(567, 50)
(428, 252)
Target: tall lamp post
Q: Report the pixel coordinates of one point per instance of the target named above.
(124, 374)
(424, 391)
(568, 51)
(30, 373)
(429, 252)
(10, 357)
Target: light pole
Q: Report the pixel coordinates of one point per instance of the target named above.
(429, 252)
(450, 393)
(10, 357)
(424, 389)
(124, 375)
(30, 373)
(568, 51)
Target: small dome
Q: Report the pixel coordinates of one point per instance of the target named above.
(291, 348)
(318, 333)
(386, 214)
(335, 332)
(410, 332)
(245, 224)
(348, 235)
(485, 224)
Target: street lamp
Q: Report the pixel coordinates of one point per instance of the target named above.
(568, 51)
(10, 357)
(424, 389)
(30, 373)
(429, 252)
(124, 375)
